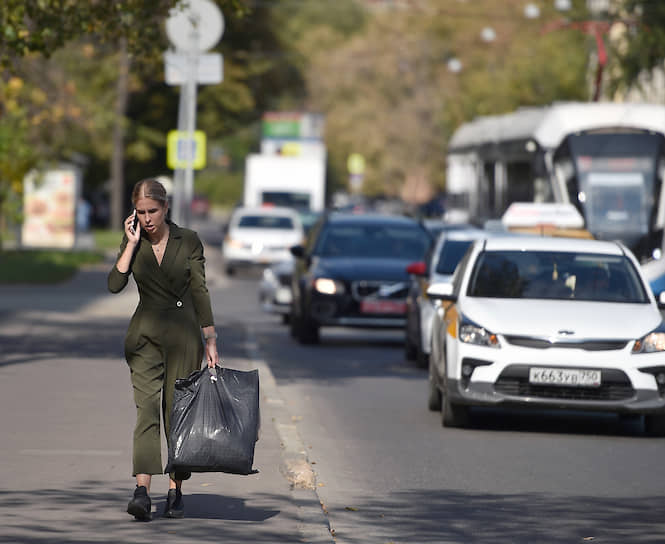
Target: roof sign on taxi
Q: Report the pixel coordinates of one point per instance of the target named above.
(538, 214)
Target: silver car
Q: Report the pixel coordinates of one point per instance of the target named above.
(275, 293)
(447, 252)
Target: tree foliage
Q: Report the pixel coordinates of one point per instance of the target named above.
(380, 77)
(57, 83)
(388, 94)
(44, 26)
(640, 47)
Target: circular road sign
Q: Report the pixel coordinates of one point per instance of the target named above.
(197, 26)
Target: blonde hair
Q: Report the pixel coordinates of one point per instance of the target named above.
(150, 188)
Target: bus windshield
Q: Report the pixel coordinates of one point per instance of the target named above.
(616, 183)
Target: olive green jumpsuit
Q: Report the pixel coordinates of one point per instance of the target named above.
(163, 341)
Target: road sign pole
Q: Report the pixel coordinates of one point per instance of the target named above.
(184, 177)
(190, 128)
(179, 173)
(191, 29)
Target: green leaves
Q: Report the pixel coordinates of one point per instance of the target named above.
(640, 46)
(388, 94)
(42, 26)
(9, 32)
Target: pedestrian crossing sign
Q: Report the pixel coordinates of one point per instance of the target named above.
(183, 151)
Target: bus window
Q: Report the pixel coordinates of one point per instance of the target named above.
(520, 186)
(488, 205)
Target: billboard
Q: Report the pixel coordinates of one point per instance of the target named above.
(292, 125)
(293, 133)
(49, 208)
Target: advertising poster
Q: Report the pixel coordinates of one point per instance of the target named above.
(49, 208)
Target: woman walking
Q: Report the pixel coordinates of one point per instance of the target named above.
(163, 341)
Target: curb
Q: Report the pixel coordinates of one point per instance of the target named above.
(295, 465)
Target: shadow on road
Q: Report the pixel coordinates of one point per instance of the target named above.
(343, 354)
(51, 339)
(90, 511)
(556, 422)
(65, 297)
(200, 506)
(444, 516)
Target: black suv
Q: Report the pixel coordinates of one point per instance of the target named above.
(352, 272)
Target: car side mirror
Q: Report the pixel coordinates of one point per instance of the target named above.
(661, 300)
(441, 291)
(297, 251)
(418, 268)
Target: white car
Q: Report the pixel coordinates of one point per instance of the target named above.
(260, 237)
(549, 323)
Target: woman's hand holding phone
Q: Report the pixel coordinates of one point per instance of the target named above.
(133, 228)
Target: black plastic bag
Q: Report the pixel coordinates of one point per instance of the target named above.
(215, 421)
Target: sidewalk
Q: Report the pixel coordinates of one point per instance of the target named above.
(67, 422)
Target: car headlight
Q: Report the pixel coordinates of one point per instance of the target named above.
(329, 286)
(470, 333)
(651, 343)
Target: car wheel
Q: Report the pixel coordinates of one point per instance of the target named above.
(303, 329)
(286, 319)
(422, 358)
(452, 414)
(434, 397)
(293, 324)
(308, 332)
(410, 350)
(654, 424)
(230, 271)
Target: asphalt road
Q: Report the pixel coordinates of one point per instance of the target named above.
(67, 415)
(388, 472)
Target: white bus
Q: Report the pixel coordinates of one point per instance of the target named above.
(607, 159)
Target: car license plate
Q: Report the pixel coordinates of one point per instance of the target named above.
(565, 376)
(382, 307)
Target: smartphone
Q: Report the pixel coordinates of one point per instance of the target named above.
(136, 221)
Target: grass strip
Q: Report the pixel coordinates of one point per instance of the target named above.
(107, 239)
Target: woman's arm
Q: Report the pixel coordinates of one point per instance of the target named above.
(125, 260)
(119, 274)
(210, 337)
(198, 286)
(202, 304)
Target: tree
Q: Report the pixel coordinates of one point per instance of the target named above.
(43, 27)
(388, 94)
(640, 47)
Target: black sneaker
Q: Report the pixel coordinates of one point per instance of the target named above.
(175, 506)
(140, 506)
